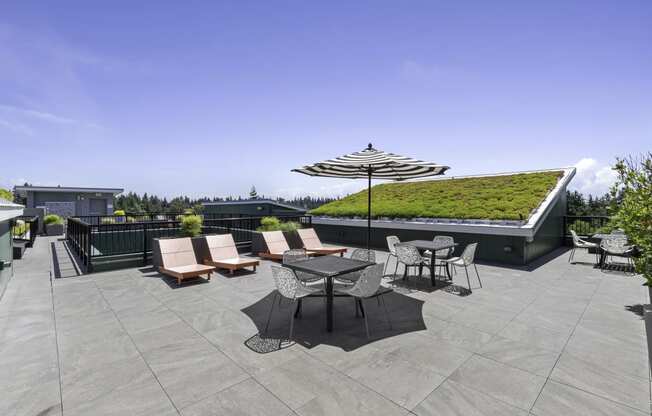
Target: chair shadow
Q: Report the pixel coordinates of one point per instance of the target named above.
(151, 272)
(423, 284)
(348, 329)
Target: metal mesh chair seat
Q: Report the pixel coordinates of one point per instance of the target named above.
(368, 286)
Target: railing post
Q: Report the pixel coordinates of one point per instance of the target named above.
(144, 244)
(89, 254)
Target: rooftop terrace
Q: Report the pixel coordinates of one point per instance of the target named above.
(559, 339)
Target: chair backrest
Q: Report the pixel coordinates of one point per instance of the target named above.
(294, 255)
(275, 241)
(444, 239)
(221, 247)
(392, 241)
(285, 280)
(309, 237)
(576, 239)
(364, 255)
(468, 255)
(369, 281)
(408, 255)
(176, 252)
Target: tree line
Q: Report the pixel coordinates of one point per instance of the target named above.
(132, 202)
(581, 205)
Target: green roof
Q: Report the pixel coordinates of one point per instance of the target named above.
(499, 197)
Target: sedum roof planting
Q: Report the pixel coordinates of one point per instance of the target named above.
(499, 197)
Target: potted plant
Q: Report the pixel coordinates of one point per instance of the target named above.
(119, 215)
(633, 193)
(53, 224)
(191, 225)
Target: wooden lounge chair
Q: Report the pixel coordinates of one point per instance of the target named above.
(276, 245)
(178, 260)
(311, 242)
(223, 254)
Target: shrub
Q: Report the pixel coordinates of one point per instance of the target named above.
(274, 224)
(52, 219)
(269, 224)
(191, 225)
(5, 194)
(19, 228)
(634, 212)
(289, 226)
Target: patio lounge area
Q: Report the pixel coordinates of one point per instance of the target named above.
(554, 339)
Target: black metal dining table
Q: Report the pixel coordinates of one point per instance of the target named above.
(329, 267)
(433, 246)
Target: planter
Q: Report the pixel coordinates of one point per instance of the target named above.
(19, 249)
(292, 237)
(54, 229)
(257, 243)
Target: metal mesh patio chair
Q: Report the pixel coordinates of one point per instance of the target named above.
(289, 287)
(299, 254)
(617, 245)
(441, 255)
(366, 287)
(409, 256)
(465, 260)
(357, 254)
(392, 241)
(579, 243)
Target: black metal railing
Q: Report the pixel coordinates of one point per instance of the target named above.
(584, 226)
(163, 216)
(93, 237)
(25, 228)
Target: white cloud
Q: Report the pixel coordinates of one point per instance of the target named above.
(16, 127)
(593, 177)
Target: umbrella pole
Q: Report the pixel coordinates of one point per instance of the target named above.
(369, 210)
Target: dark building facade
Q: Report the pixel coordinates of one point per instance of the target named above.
(252, 207)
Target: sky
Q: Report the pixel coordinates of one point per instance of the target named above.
(210, 98)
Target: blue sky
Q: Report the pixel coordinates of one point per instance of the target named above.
(208, 98)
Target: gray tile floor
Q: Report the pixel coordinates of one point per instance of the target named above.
(559, 340)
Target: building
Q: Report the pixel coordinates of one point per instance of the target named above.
(252, 207)
(8, 212)
(67, 201)
(500, 241)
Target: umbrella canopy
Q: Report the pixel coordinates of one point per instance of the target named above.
(373, 164)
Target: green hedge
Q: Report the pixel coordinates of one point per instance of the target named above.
(507, 197)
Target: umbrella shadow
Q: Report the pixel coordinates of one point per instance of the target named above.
(405, 314)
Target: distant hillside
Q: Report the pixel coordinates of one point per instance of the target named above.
(506, 197)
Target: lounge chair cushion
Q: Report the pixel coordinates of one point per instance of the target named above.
(311, 242)
(221, 247)
(276, 242)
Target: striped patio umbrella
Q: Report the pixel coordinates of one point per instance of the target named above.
(371, 163)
